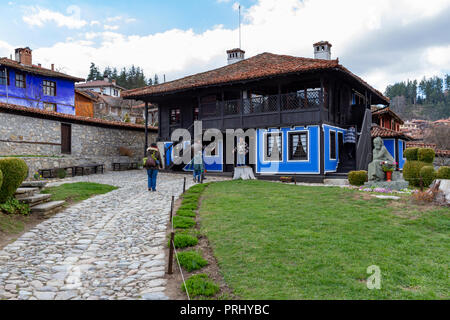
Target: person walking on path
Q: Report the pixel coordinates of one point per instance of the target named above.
(198, 167)
(152, 163)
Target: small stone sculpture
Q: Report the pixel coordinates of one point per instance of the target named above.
(380, 155)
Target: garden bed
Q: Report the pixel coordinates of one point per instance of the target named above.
(174, 281)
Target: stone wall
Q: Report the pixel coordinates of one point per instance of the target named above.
(26, 135)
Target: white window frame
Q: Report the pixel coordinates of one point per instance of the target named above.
(265, 146)
(291, 132)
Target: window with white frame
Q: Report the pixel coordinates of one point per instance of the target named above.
(274, 147)
(298, 146)
(49, 88)
(20, 80)
(4, 77)
(49, 106)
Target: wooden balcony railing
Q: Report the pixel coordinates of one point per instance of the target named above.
(262, 104)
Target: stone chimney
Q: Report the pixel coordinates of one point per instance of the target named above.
(235, 55)
(322, 50)
(24, 56)
(53, 67)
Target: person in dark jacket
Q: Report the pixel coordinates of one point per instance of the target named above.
(152, 163)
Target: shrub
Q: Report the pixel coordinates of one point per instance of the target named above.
(411, 154)
(183, 240)
(192, 232)
(198, 188)
(191, 260)
(13, 206)
(191, 197)
(14, 172)
(200, 285)
(183, 222)
(426, 155)
(188, 206)
(357, 178)
(186, 213)
(428, 175)
(1, 178)
(442, 173)
(411, 172)
(61, 173)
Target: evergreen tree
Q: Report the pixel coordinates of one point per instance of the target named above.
(93, 72)
(156, 81)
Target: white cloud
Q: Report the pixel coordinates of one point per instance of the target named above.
(109, 27)
(37, 16)
(5, 49)
(379, 40)
(114, 19)
(95, 23)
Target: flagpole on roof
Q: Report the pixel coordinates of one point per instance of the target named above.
(239, 26)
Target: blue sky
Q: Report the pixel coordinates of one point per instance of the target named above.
(151, 16)
(382, 41)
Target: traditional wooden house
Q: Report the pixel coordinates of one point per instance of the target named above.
(386, 125)
(300, 107)
(25, 84)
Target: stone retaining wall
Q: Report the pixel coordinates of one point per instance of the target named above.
(28, 135)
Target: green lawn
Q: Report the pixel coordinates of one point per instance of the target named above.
(79, 191)
(276, 241)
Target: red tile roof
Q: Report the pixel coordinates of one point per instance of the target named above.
(381, 132)
(380, 111)
(98, 83)
(51, 115)
(37, 70)
(87, 94)
(261, 66)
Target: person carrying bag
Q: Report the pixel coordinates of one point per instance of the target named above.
(152, 163)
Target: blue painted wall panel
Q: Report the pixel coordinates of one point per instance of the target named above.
(211, 163)
(310, 166)
(401, 156)
(32, 95)
(331, 164)
(390, 146)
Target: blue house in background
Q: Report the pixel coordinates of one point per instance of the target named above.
(386, 125)
(28, 85)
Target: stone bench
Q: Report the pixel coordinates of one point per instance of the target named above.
(121, 166)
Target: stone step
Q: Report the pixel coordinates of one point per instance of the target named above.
(336, 182)
(36, 199)
(47, 208)
(33, 184)
(25, 192)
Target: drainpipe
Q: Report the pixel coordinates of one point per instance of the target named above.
(146, 128)
(7, 96)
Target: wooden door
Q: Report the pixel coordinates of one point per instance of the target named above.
(66, 138)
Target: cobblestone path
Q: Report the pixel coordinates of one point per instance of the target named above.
(108, 247)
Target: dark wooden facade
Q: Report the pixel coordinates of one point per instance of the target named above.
(267, 92)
